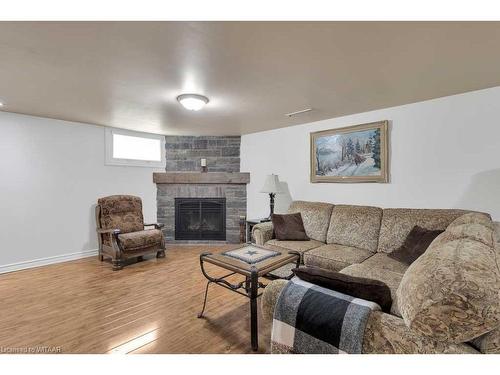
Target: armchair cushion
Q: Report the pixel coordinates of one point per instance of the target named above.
(141, 239)
(122, 212)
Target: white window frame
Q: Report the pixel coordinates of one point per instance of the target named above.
(110, 160)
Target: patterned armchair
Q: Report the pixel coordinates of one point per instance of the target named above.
(121, 230)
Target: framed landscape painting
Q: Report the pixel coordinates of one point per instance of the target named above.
(352, 154)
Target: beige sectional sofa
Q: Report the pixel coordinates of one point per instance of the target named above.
(447, 301)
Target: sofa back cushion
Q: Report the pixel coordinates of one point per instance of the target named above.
(356, 226)
(452, 292)
(398, 222)
(122, 212)
(315, 216)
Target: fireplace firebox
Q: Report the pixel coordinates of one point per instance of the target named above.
(200, 219)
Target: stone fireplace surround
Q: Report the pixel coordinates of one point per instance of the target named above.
(183, 179)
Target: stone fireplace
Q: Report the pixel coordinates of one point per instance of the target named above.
(196, 206)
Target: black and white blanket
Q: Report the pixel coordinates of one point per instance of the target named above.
(312, 319)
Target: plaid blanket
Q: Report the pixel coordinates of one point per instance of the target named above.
(312, 319)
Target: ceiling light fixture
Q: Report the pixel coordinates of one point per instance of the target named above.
(192, 102)
(1, 104)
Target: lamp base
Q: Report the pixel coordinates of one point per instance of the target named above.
(271, 205)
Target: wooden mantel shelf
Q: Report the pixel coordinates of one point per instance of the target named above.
(201, 178)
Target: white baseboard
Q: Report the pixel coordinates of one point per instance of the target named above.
(48, 260)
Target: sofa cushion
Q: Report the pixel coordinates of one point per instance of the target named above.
(417, 241)
(382, 261)
(357, 226)
(358, 287)
(398, 222)
(141, 239)
(315, 216)
(335, 257)
(391, 279)
(300, 246)
(289, 227)
(473, 218)
(452, 292)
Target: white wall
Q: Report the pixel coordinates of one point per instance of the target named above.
(51, 174)
(444, 153)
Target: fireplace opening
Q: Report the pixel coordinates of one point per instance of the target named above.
(200, 219)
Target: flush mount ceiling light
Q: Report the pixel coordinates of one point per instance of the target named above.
(1, 104)
(192, 102)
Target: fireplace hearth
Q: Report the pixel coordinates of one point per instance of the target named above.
(200, 219)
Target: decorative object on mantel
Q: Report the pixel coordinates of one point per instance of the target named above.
(271, 187)
(204, 165)
(353, 154)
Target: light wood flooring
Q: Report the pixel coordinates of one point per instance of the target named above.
(148, 307)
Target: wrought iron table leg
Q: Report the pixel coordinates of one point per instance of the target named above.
(200, 315)
(254, 285)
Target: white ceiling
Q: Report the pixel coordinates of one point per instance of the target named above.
(128, 74)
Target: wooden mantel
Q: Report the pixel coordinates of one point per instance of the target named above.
(201, 178)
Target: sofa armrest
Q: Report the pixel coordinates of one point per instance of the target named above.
(384, 333)
(113, 236)
(269, 298)
(262, 232)
(156, 225)
(388, 334)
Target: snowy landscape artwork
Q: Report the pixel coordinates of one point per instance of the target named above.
(353, 154)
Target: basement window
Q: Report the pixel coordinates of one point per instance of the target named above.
(124, 147)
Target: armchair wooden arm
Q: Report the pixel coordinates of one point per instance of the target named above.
(156, 225)
(110, 231)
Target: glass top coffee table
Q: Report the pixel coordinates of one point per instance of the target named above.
(252, 262)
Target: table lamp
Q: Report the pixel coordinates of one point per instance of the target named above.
(271, 187)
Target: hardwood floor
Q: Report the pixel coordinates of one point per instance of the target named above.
(149, 307)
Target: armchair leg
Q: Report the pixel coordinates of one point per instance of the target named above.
(117, 264)
(160, 254)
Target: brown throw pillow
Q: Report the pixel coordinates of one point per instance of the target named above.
(417, 241)
(359, 287)
(289, 227)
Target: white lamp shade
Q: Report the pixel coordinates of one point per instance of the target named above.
(271, 185)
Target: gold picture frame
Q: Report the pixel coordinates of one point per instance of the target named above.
(356, 153)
